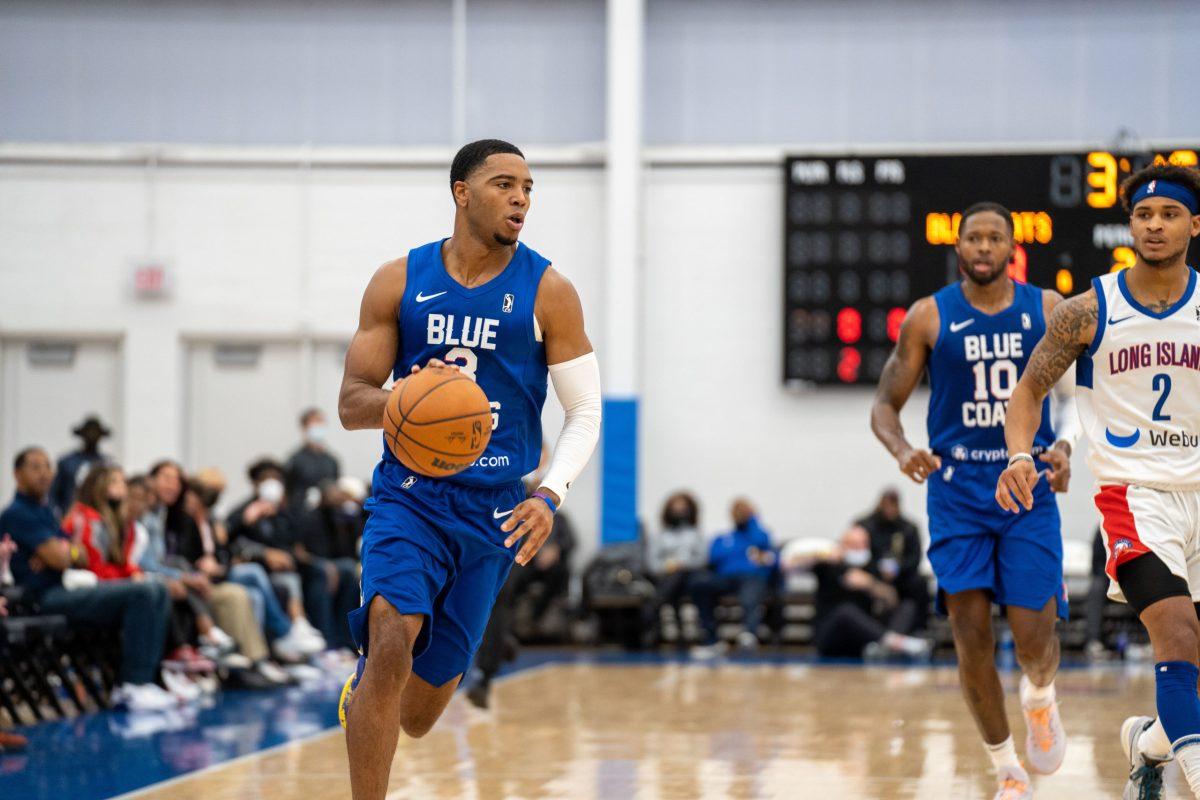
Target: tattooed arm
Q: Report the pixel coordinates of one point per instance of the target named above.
(900, 376)
(1069, 331)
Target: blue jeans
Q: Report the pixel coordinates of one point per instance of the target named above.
(138, 611)
(267, 609)
(707, 591)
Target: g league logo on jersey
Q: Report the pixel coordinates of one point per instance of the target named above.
(508, 304)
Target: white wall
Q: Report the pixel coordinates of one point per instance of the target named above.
(282, 255)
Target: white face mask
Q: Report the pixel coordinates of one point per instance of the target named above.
(857, 558)
(317, 434)
(271, 490)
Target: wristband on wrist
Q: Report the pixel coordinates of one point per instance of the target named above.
(546, 499)
(1015, 457)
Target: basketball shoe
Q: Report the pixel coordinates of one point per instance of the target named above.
(1046, 741)
(1145, 777)
(1014, 784)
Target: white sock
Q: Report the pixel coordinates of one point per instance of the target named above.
(1189, 761)
(1003, 754)
(1036, 696)
(1153, 743)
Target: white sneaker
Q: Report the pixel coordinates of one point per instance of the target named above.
(704, 652)
(747, 641)
(1014, 785)
(1046, 740)
(234, 661)
(219, 639)
(306, 629)
(1145, 777)
(143, 697)
(180, 686)
(273, 672)
(304, 673)
(296, 645)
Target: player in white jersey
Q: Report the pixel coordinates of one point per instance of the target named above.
(1135, 336)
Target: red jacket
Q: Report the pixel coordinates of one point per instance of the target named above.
(85, 525)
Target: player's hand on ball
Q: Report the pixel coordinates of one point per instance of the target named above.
(1017, 481)
(533, 521)
(1059, 474)
(433, 363)
(918, 464)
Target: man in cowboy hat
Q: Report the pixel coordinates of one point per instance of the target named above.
(73, 467)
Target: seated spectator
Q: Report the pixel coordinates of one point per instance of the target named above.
(135, 611)
(328, 536)
(896, 549)
(312, 467)
(73, 467)
(740, 563)
(210, 554)
(215, 606)
(261, 530)
(94, 523)
(675, 556)
(856, 609)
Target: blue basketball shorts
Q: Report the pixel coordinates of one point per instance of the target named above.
(975, 544)
(435, 548)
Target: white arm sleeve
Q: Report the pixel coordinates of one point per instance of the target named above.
(1063, 413)
(577, 384)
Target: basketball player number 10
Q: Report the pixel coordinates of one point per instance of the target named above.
(1003, 375)
(467, 362)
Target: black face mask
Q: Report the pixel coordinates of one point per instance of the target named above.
(677, 520)
(114, 504)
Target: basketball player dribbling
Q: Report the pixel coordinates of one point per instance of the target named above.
(974, 337)
(436, 551)
(1135, 337)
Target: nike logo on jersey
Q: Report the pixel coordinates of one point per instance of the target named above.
(955, 327)
(1112, 321)
(421, 298)
(498, 514)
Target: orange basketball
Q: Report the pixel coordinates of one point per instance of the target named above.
(437, 422)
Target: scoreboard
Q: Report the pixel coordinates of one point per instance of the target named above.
(865, 237)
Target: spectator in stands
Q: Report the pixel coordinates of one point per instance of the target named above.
(740, 563)
(896, 550)
(261, 530)
(210, 554)
(1097, 599)
(94, 523)
(675, 555)
(312, 466)
(215, 605)
(328, 536)
(73, 466)
(856, 609)
(137, 611)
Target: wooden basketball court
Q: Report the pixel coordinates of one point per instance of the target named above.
(737, 730)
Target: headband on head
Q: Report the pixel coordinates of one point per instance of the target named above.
(1175, 191)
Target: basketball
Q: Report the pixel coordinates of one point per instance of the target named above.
(437, 422)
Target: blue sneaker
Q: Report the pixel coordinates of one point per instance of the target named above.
(348, 689)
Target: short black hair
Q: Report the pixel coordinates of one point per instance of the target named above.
(22, 456)
(255, 470)
(987, 205)
(470, 157)
(308, 414)
(1188, 176)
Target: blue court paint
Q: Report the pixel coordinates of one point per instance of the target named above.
(618, 491)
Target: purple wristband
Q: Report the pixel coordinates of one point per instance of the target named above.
(546, 498)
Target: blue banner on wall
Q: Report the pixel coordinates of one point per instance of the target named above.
(618, 510)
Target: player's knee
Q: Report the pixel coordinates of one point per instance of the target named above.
(1037, 648)
(973, 638)
(1178, 643)
(416, 724)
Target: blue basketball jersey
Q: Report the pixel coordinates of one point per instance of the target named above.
(973, 369)
(488, 333)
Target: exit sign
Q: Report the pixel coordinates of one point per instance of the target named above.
(151, 281)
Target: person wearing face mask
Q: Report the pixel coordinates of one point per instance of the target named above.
(328, 536)
(853, 601)
(675, 555)
(261, 530)
(312, 466)
(741, 563)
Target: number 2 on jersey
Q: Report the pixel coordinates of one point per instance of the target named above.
(1161, 383)
(467, 362)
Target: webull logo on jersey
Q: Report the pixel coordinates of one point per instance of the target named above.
(1156, 438)
(994, 381)
(447, 329)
